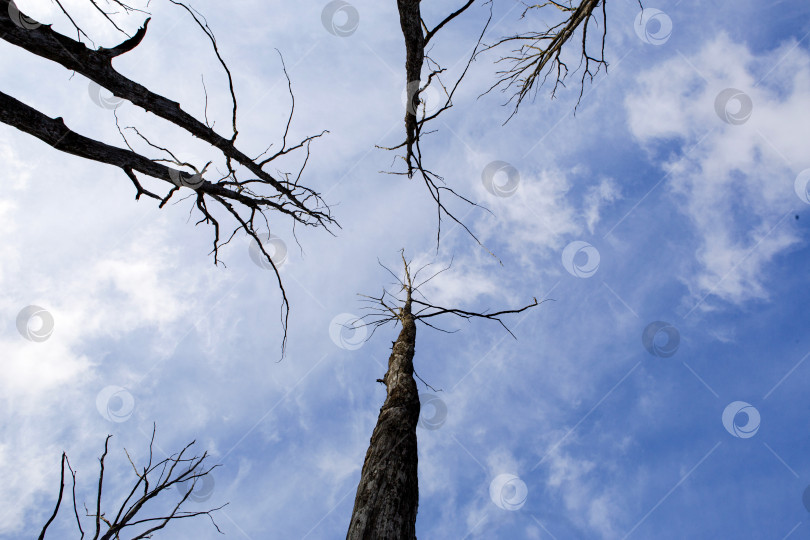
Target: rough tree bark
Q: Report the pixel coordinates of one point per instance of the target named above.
(410, 19)
(417, 36)
(388, 494)
(387, 497)
(251, 202)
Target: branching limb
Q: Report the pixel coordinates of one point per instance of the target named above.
(100, 485)
(538, 55)
(417, 36)
(203, 24)
(155, 479)
(96, 66)
(447, 19)
(249, 200)
(58, 499)
(388, 306)
(430, 310)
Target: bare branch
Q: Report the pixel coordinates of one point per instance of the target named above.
(97, 67)
(174, 471)
(127, 45)
(203, 24)
(417, 36)
(100, 485)
(58, 499)
(539, 54)
(388, 307)
(472, 314)
(243, 199)
(447, 19)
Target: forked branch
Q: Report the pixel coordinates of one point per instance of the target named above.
(417, 36)
(538, 55)
(249, 201)
(390, 306)
(177, 474)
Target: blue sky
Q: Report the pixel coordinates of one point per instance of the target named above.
(698, 213)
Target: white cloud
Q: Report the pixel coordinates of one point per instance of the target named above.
(734, 182)
(571, 479)
(50, 386)
(607, 191)
(512, 396)
(535, 219)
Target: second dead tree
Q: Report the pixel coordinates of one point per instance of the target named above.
(387, 496)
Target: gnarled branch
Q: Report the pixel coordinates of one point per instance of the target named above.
(539, 54)
(245, 199)
(154, 480)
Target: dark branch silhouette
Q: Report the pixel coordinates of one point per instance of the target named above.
(250, 202)
(155, 479)
(387, 497)
(538, 55)
(417, 37)
(386, 307)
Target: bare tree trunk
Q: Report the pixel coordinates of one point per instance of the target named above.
(410, 19)
(388, 495)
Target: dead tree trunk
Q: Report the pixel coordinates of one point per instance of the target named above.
(388, 495)
(410, 19)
